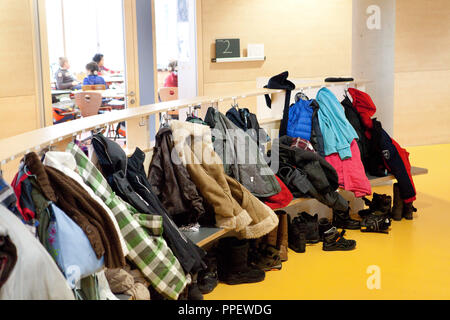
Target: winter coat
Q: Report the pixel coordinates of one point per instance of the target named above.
(365, 107)
(142, 232)
(241, 156)
(351, 173)
(396, 160)
(354, 118)
(313, 176)
(65, 162)
(127, 178)
(300, 119)
(71, 198)
(171, 182)
(248, 122)
(35, 275)
(337, 132)
(235, 207)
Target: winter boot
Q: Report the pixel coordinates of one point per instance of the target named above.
(282, 236)
(194, 291)
(342, 220)
(233, 265)
(208, 279)
(408, 210)
(335, 241)
(312, 226)
(381, 204)
(296, 236)
(397, 207)
(324, 226)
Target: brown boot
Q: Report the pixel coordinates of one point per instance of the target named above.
(397, 207)
(282, 237)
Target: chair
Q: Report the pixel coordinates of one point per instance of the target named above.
(88, 102)
(168, 94)
(91, 87)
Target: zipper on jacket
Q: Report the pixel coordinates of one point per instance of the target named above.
(170, 220)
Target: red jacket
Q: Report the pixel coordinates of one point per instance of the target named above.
(366, 108)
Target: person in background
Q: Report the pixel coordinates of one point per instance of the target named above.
(92, 78)
(172, 79)
(64, 79)
(100, 60)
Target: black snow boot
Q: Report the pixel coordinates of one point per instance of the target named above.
(324, 226)
(208, 279)
(233, 267)
(335, 241)
(397, 207)
(312, 226)
(342, 220)
(296, 235)
(408, 210)
(194, 291)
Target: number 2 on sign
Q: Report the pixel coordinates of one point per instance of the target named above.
(228, 47)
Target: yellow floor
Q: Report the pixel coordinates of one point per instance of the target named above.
(414, 259)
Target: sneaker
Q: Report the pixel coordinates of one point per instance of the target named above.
(335, 241)
(324, 226)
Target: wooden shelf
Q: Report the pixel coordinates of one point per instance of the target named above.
(239, 59)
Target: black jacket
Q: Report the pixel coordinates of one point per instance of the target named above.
(306, 173)
(172, 183)
(248, 122)
(127, 178)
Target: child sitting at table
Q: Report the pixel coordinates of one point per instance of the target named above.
(92, 75)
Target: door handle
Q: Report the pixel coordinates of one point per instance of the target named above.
(131, 94)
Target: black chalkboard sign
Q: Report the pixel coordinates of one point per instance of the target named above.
(228, 48)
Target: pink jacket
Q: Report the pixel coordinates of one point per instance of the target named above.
(352, 176)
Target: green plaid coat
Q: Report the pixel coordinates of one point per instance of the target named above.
(142, 232)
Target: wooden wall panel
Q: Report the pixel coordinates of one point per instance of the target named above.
(16, 49)
(422, 112)
(307, 37)
(422, 66)
(18, 115)
(422, 35)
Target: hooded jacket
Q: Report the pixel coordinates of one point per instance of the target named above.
(241, 156)
(337, 132)
(127, 178)
(235, 207)
(171, 182)
(307, 174)
(70, 197)
(363, 103)
(248, 122)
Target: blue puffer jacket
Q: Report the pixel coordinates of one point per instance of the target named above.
(299, 122)
(337, 132)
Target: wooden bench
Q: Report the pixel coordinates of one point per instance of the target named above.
(207, 236)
